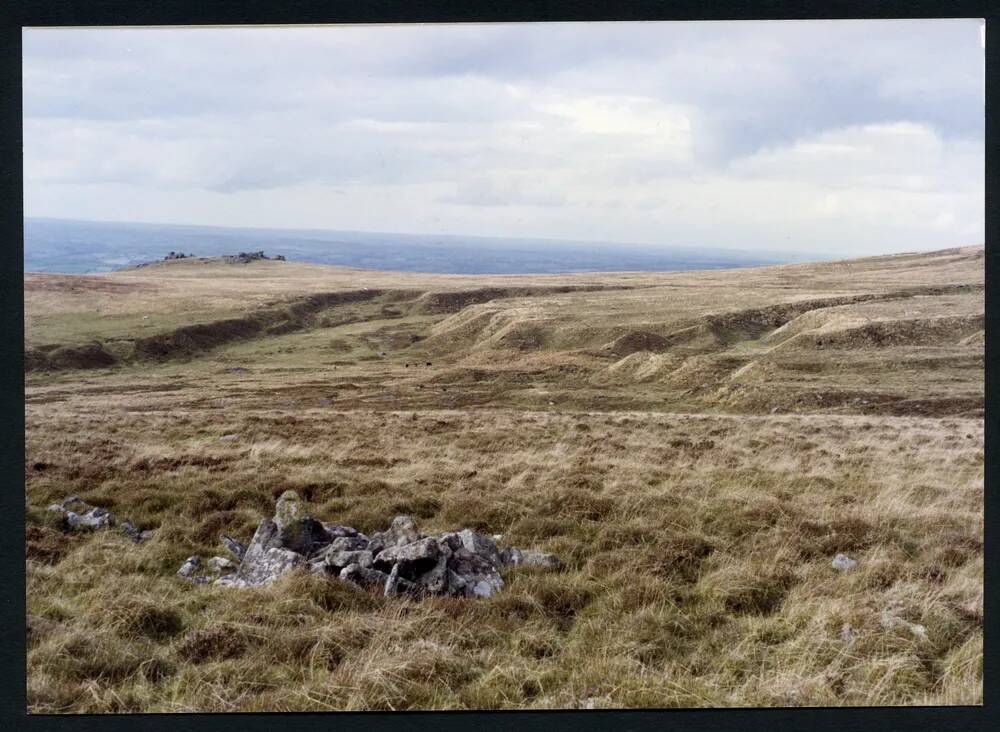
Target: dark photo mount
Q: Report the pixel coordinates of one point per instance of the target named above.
(428, 381)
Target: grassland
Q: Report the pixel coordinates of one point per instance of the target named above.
(696, 447)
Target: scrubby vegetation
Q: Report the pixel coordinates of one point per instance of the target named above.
(697, 521)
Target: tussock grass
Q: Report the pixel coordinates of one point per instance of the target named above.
(696, 495)
(686, 582)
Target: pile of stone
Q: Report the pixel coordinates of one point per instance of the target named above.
(77, 514)
(398, 561)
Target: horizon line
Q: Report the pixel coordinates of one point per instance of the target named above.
(487, 237)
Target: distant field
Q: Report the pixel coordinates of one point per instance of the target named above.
(696, 446)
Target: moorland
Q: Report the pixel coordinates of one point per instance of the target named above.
(696, 447)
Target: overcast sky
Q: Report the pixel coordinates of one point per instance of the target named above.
(850, 137)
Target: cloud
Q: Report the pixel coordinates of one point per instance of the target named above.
(848, 133)
(898, 155)
(511, 191)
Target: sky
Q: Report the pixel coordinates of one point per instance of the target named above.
(844, 137)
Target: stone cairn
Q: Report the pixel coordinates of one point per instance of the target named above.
(399, 561)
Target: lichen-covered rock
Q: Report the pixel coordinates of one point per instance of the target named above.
(94, 518)
(511, 557)
(890, 621)
(265, 559)
(479, 576)
(288, 510)
(412, 559)
(435, 580)
(398, 585)
(267, 567)
(363, 576)
(514, 557)
(82, 515)
(483, 587)
(265, 537)
(129, 529)
(221, 565)
(347, 543)
(339, 553)
(476, 543)
(402, 531)
(298, 531)
(233, 547)
(455, 583)
(335, 531)
(304, 536)
(842, 563)
(540, 559)
(190, 566)
(392, 582)
(336, 561)
(449, 541)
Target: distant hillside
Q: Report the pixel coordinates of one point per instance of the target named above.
(899, 334)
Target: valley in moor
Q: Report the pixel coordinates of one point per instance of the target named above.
(696, 449)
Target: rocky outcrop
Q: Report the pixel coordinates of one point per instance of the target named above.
(129, 529)
(222, 565)
(534, 559)
(233, 547)
(247, 257)
(297, 531)
(265, 559)
(363, 576)
(188, 571)
(397, 561)
(77, 514)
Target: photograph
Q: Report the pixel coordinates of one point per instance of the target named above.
(384, 367)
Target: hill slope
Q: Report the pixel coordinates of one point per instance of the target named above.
(895, 335)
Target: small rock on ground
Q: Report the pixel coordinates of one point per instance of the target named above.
(190, 566)
(842, 563)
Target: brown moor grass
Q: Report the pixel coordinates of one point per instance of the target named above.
(694, 576)
(696, 473)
